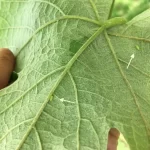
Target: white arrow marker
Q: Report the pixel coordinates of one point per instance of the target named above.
(132, 57)
(63, 100)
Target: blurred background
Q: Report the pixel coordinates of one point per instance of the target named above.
(128, 9)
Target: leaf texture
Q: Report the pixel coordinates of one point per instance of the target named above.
(73, 83)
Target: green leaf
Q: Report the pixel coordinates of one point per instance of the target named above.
(73, 83)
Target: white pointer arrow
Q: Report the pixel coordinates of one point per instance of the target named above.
(63, 100)
(132, 57)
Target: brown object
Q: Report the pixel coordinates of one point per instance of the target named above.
(7, 64)
(113, 137)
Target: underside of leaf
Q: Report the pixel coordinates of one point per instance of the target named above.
(73, 82)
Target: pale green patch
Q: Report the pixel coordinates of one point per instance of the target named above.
(122, 144)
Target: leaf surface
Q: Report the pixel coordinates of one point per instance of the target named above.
(73, 83)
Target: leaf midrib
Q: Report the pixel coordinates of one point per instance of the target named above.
(62, 75)
(67, 68)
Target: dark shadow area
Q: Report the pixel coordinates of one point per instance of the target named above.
(13, 77)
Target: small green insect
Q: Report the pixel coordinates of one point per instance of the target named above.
(51, 98)
(137, 47)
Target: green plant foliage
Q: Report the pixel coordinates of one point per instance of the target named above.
(130, 8)
(73, 84)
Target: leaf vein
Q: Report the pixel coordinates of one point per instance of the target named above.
(59, 69)
(126, 81)
(26, 121)
(38, 138)
(21, 27)
(130, 37)
(56, 20)
(68, 67)
(96, 133)
(49, 3)
(136, 68)
(95, 9)
(78, 109)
